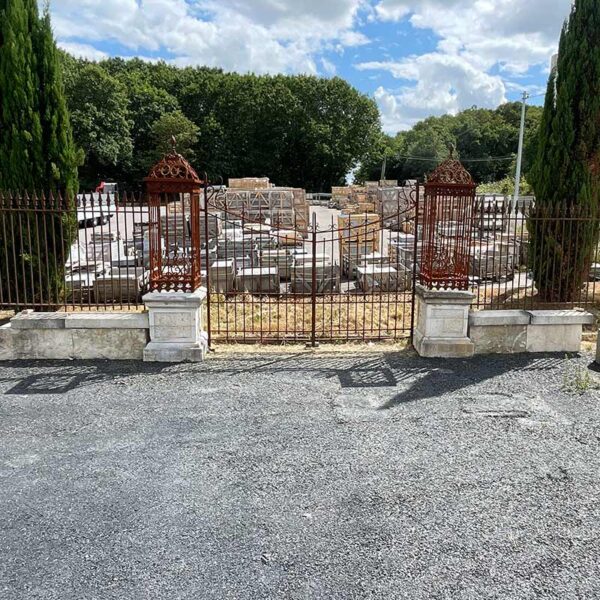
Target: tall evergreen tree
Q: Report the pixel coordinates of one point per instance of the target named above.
(57, 137)
(37, 155)
(566, 173)
(21, 154)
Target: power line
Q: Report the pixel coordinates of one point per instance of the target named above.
(465, 160)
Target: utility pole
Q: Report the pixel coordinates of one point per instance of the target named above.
(520, 154)
(383, 168)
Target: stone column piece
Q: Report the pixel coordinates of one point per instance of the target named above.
(442, 323)
(176, 328)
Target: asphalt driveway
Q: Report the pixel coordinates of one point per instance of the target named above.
(300, 476)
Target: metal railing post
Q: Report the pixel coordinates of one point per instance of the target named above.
(207, 265)
(415, 264)
(313, 303)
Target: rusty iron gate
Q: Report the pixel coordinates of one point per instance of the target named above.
(282, 276)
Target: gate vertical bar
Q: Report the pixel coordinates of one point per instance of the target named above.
(207, 264)
(313, 303)
(415, 264)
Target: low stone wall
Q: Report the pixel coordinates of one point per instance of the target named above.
(516, 331)
(82, 336)
(125, 336)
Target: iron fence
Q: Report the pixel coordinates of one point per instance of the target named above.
(341, 279)
(312, 275)
(528, 257)
(89, 253)
(273, 274)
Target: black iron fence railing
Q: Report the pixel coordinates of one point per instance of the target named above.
(525, 256)
(291, 273)
(91, 253)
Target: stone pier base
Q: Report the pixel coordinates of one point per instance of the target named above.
(442, 323)
(176, 328)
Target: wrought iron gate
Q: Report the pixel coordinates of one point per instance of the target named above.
(323, 277)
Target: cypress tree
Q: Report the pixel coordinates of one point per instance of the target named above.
(566, 174)
(37, 156)
(58, 146)
(21, 155)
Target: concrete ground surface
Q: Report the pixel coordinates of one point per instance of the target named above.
(301, 476)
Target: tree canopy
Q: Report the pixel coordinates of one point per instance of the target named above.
(486, 141)
(298, 130)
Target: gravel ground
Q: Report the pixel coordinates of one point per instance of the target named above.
(300, 476)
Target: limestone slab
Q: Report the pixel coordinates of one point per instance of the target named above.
(176, 332)
(492, 318)
(176, 353)
(43, 344)
(445, 296)
(106, 320)
(442, 323)
(561, 317)
(39, 320)
(443, 347)
(109, 344)
(77, 344)
(174, 299)
(499, 339)
(7, 334)
(554, 338)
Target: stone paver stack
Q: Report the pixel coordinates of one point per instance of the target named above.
(258, 280)
(255, 201)
(222, 276)
(120, 285)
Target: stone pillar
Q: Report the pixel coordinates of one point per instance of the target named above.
(442, 323)
(176, 328)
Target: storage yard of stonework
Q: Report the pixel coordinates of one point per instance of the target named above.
(269, 257)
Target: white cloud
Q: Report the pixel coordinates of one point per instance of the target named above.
(82, 50)
(392, 10)
(263, 36)
(353, 38)
(514, 33)
(443, 84)
(482, 46)
(328, 66)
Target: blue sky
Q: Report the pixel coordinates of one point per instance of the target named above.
(415, 57)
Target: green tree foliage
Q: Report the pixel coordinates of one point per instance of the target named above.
(505, 187)
(21, 155)
(100, 117)
(566, 174)
(37, 155)
(58, 148)
(485, 139)
(300, 131)
(147, 105)
(173, 125)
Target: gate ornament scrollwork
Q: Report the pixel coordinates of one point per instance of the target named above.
(173, 168)
(174, 188)
(451, 172)
(447, 226)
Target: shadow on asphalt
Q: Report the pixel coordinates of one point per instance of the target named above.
(417, 378)
(414, 377)
(445, 377)
(60, 377)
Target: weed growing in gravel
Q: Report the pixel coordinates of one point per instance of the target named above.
(578, 380)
